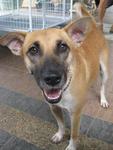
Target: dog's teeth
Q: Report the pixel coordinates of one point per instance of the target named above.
(51, 95)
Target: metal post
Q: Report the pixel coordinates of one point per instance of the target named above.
(71, 9)
(30, 15)
(2, 5)
(18, 6)
(43, 13)
(12, 7)
(64, 9)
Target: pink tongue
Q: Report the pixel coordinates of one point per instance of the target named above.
(52, 94)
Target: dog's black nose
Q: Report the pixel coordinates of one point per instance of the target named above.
(52, 79)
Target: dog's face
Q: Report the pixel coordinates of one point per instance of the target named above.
(49, 55)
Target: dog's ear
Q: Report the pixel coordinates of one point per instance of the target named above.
(78, 30)
(14, 42)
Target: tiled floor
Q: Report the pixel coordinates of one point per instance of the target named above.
(24, 120)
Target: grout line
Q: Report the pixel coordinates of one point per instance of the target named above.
(7, 142)
(92, 122)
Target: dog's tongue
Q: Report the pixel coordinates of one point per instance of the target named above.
(52, 94)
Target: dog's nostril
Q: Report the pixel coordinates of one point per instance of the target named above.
(53, 80)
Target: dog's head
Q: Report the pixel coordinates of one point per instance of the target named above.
(49, 54)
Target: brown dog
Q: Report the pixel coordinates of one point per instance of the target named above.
(64, 62)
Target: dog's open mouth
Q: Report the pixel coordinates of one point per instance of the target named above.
(53, 95)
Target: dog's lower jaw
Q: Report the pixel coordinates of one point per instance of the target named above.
(72, 145)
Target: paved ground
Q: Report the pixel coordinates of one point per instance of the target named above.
(25, 120)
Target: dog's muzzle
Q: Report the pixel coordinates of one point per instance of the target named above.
(51, 82)
(51, 77)
(52, 86)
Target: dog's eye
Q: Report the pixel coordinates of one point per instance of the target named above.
(62, 47)
(34, 50)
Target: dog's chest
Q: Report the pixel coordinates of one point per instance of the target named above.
(68, 101)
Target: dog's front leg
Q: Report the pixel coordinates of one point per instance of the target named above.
(104, 76)
(75, 123)
(57, 112)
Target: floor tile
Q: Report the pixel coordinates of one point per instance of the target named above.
(102, 130)
(18, 144)
(4, 137)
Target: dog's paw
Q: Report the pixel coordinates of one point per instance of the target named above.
(104, 104)
(71, 146)
(57, 137)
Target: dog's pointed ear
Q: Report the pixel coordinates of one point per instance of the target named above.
(78, 30)
(14, 42)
